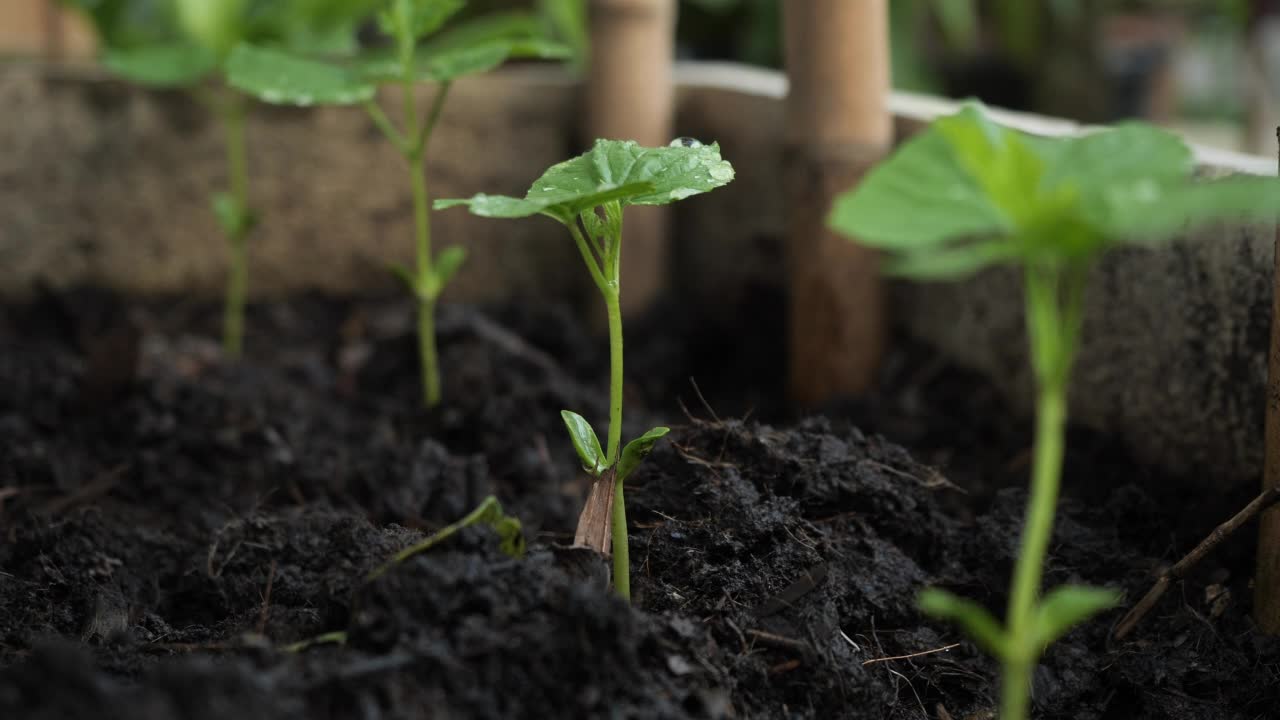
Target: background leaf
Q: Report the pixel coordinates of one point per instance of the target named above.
(282, 78)
(969, 615)
(508, 527)
(446, 265)
(637, 449)
(585, 442)
(215, 25)
(1067, 606)
(235, 220)
(917, 198)
(567, 21)
(164, 66)
(968, 193)
(408, 21)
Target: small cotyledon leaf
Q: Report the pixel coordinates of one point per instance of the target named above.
(637, 449)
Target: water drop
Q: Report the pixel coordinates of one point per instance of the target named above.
(685, 142)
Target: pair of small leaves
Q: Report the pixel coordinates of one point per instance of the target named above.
(1059, 611)
(430, 286)
(968, 193)
(510, 531)
(593, 457)
(612, 171)
(235, 219)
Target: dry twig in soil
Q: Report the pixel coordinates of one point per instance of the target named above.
(1180, 569)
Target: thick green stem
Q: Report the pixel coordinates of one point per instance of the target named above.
(1051, 414)
(426, 300)
(621, 551)
(621, 544)
(615, 373)
(238, 275)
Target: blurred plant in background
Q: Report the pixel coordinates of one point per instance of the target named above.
(185, 44)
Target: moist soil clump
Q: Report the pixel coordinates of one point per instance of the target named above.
(169, 524)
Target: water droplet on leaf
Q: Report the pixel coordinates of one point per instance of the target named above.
(685, 142)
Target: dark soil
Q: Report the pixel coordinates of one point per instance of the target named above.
(168, 522)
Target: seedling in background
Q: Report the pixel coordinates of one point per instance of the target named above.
(488, 513)
(185, 44)
(587, 195)
(968, 193)
(282, 77)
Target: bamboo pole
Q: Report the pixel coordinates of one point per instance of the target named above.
(53, 36)
(631, 96)
(1266, 597)
(838, 125)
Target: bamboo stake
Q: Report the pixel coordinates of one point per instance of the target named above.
(838, 125)
(631, 96)
(1266, 597)
(51, 19)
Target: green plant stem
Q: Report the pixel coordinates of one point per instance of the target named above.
(1053, 330)
(484, 508)
(588, 257)
(621, 551)
(233, 115)
(1051, 413)
(614, 308)
(621, 544)
(384, 124)
(427, 353)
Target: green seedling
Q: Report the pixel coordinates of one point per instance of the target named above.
(488, 513)
(968, 193)
(420, 51)
(185, 44)
(587, 195)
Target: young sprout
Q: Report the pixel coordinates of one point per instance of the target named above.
(968, 193)
(185, 44)
(587, 195)
(419, 52)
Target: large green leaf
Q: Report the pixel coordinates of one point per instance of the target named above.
(282, 78)
(968, 193)
(172, 65)
(919, 197)
(1161, 211)
(612, 170)
(1006, 165)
